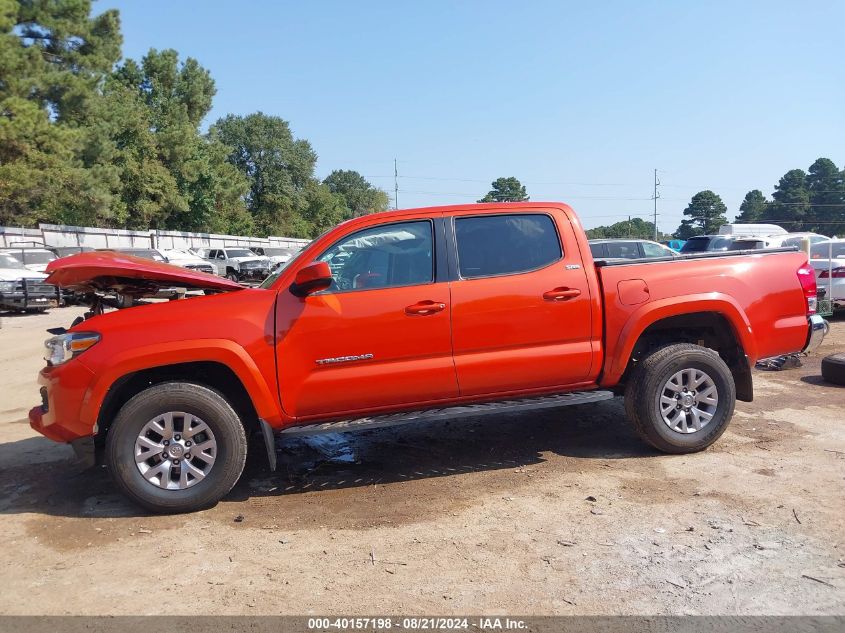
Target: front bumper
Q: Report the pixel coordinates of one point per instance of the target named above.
(26, 301)
(816, 329)
(63, 392)
(253, 273)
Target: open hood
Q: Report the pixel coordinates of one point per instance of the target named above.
(127, 274)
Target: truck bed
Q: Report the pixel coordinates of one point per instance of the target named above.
(756, 289)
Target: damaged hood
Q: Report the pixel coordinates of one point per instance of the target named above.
(108, 270)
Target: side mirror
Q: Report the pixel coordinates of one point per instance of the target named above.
(312, 278)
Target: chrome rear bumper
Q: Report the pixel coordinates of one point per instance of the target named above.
(816, 329)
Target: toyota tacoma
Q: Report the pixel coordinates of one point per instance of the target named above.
(405, 316)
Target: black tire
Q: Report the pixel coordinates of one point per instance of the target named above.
(232, 276)
(833, 368)
(192, 398)
(645, 387)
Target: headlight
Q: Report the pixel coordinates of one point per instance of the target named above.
(7, 286)
(63, 347)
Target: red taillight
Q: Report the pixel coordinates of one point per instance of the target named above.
(807, 277)
(837, 273)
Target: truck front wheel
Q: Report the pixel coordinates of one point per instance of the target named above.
(176, 447)
(680, 398)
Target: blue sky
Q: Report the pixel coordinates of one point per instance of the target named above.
(580, 101)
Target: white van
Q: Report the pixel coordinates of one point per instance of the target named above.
(751, 230)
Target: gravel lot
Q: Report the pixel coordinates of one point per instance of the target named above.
(562, 512)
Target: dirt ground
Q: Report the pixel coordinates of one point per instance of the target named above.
(561, 512)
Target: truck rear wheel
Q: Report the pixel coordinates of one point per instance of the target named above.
(680, 398)
(176, 447)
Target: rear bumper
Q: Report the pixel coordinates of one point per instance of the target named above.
(816, 330)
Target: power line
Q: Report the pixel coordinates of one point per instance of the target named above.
(655, 197)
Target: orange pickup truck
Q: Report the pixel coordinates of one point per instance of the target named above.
(405, 316)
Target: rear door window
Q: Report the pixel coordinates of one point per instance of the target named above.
(622, 250)
(505, 244)
(598, 250)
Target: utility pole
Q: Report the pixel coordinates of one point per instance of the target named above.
(395, 185)
(629, 226)
(654, 197)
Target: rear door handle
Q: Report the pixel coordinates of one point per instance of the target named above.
(561, 294)
(424, 308)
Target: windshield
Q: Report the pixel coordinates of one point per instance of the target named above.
(147, 254)
(833, 250)
(37, 257)
(239, 252)
(7, 261)
(277, 252)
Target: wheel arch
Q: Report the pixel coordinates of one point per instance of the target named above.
(212, 374)
(714, 329)
(220, 364)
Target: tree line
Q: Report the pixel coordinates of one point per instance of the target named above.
(87, 138)
(811, 201)
(801, 201)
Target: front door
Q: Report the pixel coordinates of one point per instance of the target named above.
(380, 335)
(521, 308)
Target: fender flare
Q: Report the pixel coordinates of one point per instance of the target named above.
(650, 313)
(221, 351)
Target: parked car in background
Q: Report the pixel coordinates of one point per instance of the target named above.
(34, 258)
(146, 253)
(67, 251)
(187, 259)
(675, 245)
(794, 239)
(238, 263)
(751, 230)
(23, 289)
(747, 244)
(828, 260)
(707, 243)
(278, 255)
(126, 300)
(628, 249)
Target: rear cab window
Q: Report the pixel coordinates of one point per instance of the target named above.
(623, 250)
(492, 245)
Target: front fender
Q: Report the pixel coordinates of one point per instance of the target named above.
(646, 315)
(222, 351)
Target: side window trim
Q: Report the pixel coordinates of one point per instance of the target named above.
(432, 222)
(454, 263)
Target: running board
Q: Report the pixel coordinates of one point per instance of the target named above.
(450, 413)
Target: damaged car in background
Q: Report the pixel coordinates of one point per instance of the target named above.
(24, 290)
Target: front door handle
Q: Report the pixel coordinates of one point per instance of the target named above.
(424, 308)
(561, 294)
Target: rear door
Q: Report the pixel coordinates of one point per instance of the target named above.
(379, 337)
(521, 309)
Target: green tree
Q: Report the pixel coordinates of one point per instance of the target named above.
(279, 168)
(826, 187)
(147, 131)
(705, 214)
(791, 206)
(52, 58)
(753, 207)
(359, 196)
(635, 228)
(506, 190)
(323, 210)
